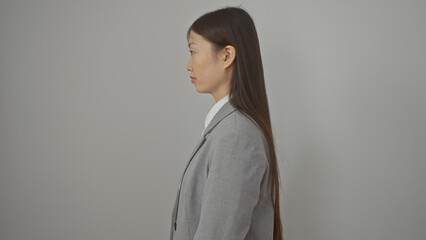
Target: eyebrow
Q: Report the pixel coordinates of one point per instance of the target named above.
(189, 44)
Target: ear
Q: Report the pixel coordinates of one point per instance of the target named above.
(228, 56)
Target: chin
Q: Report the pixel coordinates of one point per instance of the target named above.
(199, 89)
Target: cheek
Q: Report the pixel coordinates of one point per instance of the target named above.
(205, 70)
(201, 68)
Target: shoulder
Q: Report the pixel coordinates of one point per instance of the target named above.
(238, 131)
(238, 123)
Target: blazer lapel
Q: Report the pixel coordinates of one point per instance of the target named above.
(224, 111)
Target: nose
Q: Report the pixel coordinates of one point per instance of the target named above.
(189, 65)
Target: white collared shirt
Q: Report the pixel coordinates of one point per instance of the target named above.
(214, 110)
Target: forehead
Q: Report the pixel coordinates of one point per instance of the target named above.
(195, 39)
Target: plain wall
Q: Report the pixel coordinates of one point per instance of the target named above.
(98, 116)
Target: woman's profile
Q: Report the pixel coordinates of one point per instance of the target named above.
(229, 188)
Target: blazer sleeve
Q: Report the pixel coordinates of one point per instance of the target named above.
(232, 188)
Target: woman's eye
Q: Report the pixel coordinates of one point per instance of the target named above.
(191, 52)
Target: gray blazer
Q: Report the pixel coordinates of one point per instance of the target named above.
(224, 192)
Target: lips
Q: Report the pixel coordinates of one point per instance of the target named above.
(192, 79)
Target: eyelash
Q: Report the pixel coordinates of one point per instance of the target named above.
(190, 52)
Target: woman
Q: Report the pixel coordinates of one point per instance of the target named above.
(230, 187)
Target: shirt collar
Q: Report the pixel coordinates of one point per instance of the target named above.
(214, 110)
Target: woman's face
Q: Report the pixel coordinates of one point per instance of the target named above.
(208, 69)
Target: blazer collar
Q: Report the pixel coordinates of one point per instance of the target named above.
(224, 111)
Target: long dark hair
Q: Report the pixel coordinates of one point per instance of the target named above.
(234, 26)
